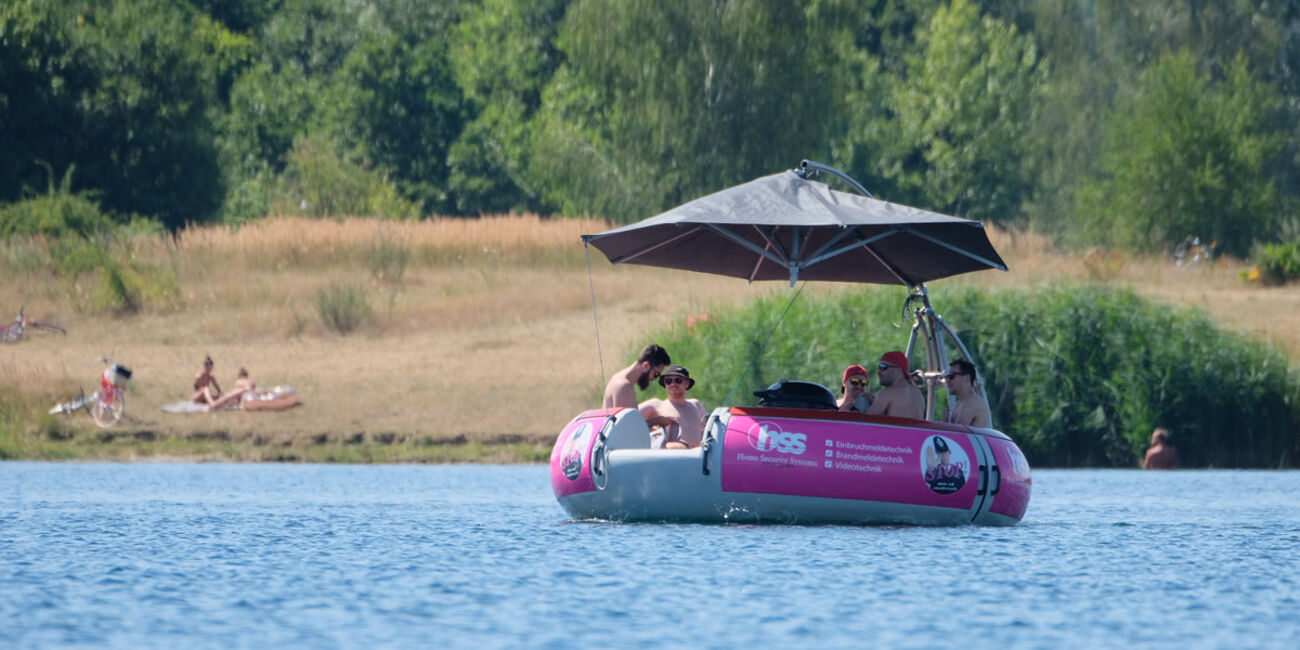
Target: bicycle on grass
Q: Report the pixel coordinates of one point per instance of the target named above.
(107, 404)
(13, 332)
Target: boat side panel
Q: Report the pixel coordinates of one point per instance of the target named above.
(848, 460)
(1012, 498)
(668, 485)
(571, 456)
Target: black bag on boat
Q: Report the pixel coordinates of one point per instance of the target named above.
(796, 395)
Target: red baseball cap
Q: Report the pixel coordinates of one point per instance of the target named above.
(854, 371)
(895, 358)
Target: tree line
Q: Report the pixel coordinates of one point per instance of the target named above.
(1132, 124)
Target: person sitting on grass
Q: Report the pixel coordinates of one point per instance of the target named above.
(243, 386)
(206, 388)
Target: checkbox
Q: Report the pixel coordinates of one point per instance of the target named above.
(830, 454)
(828, 464)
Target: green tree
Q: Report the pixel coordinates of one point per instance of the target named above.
(964, 116)
(1188, 154)
(660, 102)
(504, 56)
(399, 106)
(867, 45)
(120, 90)
(278, 96)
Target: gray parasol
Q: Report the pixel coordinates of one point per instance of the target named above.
(785, 226)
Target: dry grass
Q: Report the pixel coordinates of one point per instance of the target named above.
(489, 333)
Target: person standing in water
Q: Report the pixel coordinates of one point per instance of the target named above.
(1161, 455)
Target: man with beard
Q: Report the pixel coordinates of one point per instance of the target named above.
(899, 398)
(687, 414)
(619, 392)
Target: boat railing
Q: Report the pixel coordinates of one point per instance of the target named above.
(929, 329)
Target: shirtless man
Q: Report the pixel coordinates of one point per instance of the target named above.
(899, 398)
(242, 385)
(1161, 455)
(206, 388)
(855, 396)
(620, 392)
(688, 414)
(972, 409)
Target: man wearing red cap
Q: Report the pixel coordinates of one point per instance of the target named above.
(856, 398)
(899, 398)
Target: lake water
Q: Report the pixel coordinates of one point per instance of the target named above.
(320, 556)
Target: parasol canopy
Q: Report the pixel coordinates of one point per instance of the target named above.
(785, 226)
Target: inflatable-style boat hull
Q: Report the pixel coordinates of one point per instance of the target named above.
(797, 466)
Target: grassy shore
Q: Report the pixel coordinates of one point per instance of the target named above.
(482, 343)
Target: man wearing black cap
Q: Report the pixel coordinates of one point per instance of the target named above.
(687, 415)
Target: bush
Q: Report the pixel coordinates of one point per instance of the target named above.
(1278, 263)
(69, 236)
(343, 308)
(387, 258)
(321, 183)
(1078, 376)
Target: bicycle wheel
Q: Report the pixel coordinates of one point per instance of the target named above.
(108, 409)
(49, 327)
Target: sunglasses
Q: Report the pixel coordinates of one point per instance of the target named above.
(950, 375)
(858, 382)
(885, 366)
(674, 379)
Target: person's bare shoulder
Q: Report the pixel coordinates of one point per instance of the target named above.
(652, 403)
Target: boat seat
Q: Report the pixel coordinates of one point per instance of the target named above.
(789, 393)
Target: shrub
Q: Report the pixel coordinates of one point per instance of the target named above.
(1078, 376)
(343, 308)
(387, 258)
(1279, 263)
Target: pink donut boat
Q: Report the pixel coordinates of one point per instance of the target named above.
(789, 465)
(794, 458)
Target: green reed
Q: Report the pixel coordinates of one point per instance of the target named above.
(1078, 376)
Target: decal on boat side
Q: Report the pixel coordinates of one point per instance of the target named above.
(945, 465)
(768, 436)
(574, 448)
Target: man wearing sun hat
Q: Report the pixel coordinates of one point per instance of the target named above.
(899, 398)
(856, 398)
(687, 414)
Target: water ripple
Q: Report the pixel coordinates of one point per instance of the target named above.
(212, 555)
